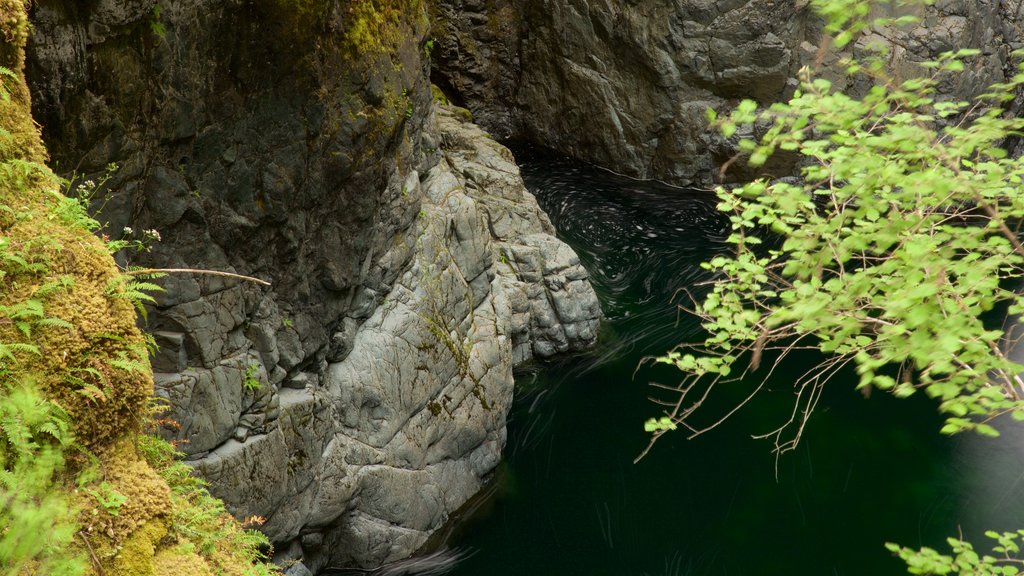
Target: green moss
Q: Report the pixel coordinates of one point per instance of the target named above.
(102, 328)
(373, 26)
(367, 26)
(200, 525)
(179, 561)
(18, 135)
(137, 556)
(461, 113)
(438, 94)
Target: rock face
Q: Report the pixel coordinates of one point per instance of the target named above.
(363, 397)
(625, 84)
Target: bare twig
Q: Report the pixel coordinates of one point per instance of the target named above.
(144, 271)
(95, 561)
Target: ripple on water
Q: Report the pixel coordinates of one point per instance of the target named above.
(639, 243)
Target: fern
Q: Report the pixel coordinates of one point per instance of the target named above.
(28, 314)
(128, 364)
(62, 283)
(132, 360)
(5, 74)
(9, 350)
(52, 322)
(36, 523)
(86, 388)
(150, 342)
(24, 310)
(72, 212)
(130, 288)
(7, 479)
(200, 521)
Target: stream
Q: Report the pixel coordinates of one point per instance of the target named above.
(568, 499)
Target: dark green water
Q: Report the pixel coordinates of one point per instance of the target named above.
(569, 501)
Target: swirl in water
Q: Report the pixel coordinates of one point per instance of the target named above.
(640, 243)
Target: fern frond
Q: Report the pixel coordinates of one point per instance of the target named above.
(143, 287)
(151, 346)
(25, 328)
(52, 322)
(64, 282)
(50, 429)
(126, 364)
(16, 260)
(136, 296)
(8, 349)
(87, 389)
(24, 310)
(90, 371)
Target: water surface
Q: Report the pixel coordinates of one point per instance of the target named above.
(568, 500)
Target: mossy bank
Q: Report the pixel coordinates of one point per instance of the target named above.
(76, 387)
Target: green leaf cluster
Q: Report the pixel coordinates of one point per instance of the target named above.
(902, 232)
(891, 253)
(200, 523)
(964, 559)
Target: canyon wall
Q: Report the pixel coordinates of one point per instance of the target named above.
(625, 85)
(361, 398)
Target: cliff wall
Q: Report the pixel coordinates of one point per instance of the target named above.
(362, 397)
(638, 75)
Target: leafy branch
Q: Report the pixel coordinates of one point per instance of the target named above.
(886, 255)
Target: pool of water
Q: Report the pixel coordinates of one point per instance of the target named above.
(569, 500)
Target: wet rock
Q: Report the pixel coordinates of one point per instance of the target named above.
(545, 280)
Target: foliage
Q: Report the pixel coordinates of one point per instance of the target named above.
(891, 253)
(74, 379)
(5, 74)
(964, 559)
(900, 235)
(36, 524)
(111, 500)
(134, 289)
(252, 381)
(374, 26)
(369, 28)
(200, 523)
(663, 423)
(156, 27)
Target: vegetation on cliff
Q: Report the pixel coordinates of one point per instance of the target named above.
(367, 27)
(83, 489)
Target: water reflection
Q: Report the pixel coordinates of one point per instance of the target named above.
(639, 241)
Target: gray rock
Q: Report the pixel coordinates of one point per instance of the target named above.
(170, 355)
(298, 569)
(553, 307)
(361, 399)
(625, 84)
